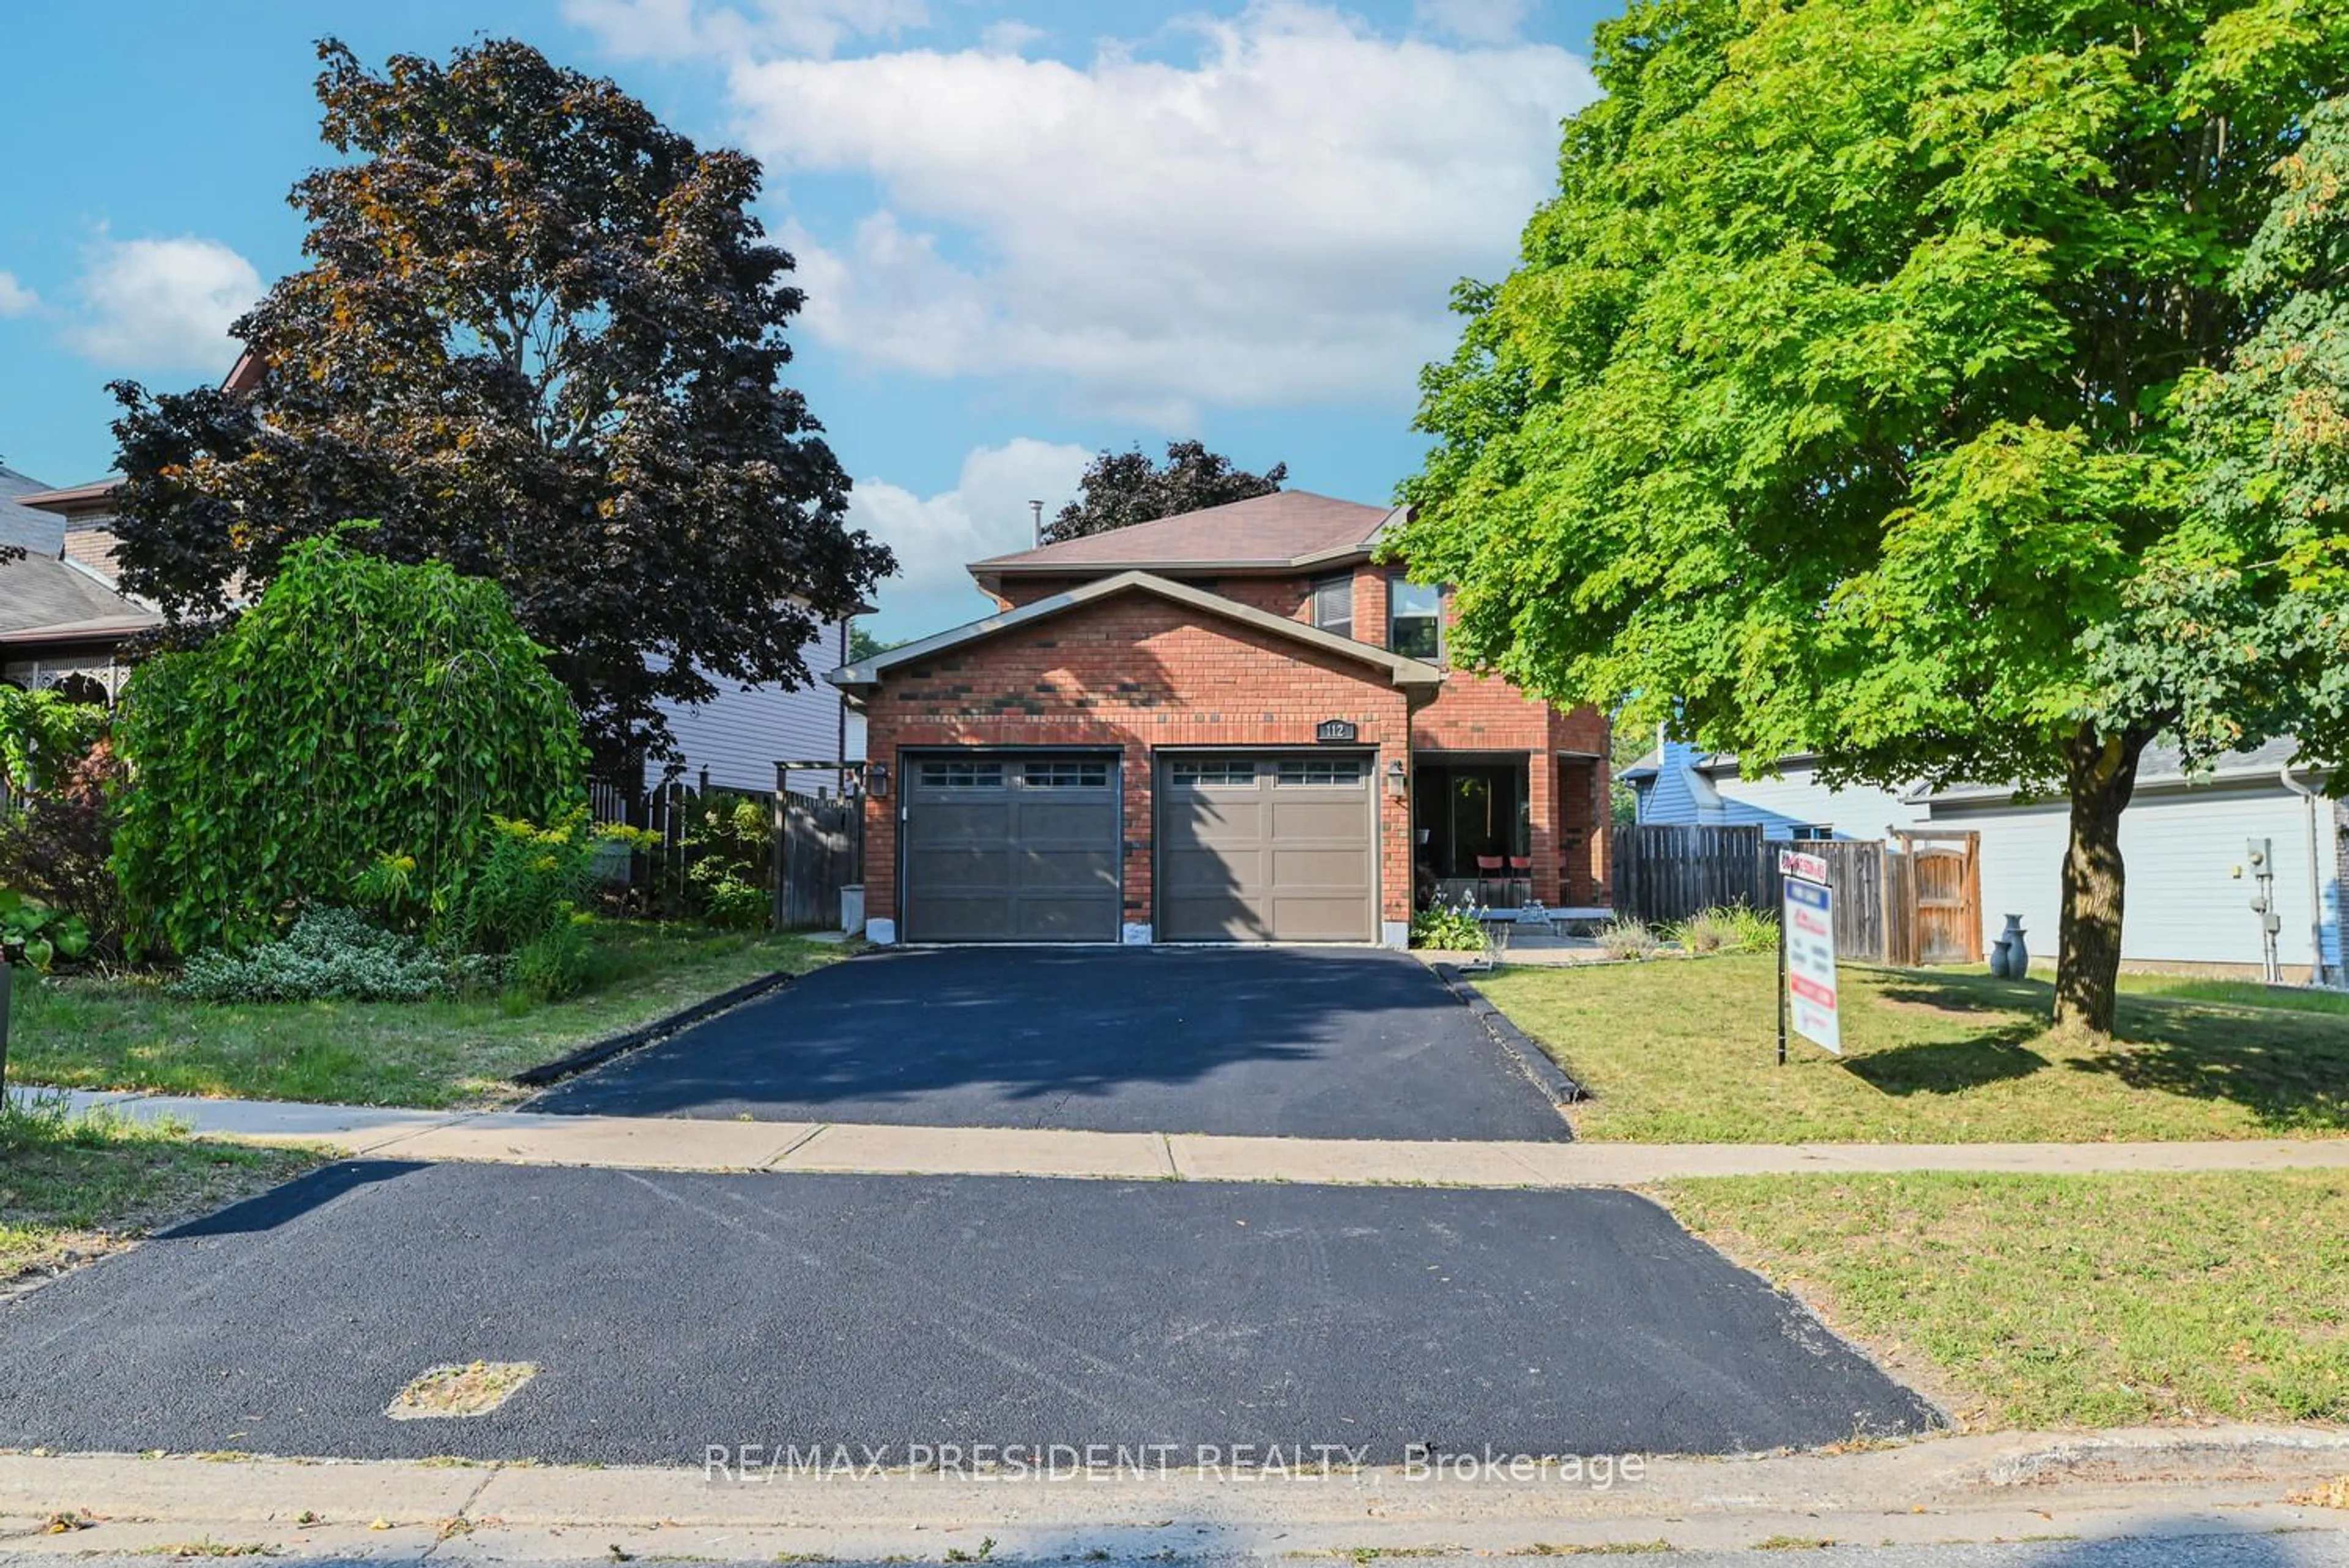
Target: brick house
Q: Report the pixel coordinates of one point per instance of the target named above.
(1232, 725)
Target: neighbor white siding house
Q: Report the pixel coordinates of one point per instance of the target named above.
(2185, 842)
(740, 734)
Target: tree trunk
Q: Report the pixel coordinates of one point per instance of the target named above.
(2101, 771)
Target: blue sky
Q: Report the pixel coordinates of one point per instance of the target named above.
(1030, 229)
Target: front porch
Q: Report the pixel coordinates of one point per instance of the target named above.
(1506, 831)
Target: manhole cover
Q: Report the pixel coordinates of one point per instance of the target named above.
(473, 1388)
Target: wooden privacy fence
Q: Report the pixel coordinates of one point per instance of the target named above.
(1918, 900)
(819, 850)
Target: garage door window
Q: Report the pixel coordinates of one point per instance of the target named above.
(962, 775)
(1321, 771)
(1216, 771)
(1068, 775)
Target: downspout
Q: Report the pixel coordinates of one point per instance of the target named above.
(2318, 973)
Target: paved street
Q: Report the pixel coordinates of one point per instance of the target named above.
(1294, 1042)
(668, 1312)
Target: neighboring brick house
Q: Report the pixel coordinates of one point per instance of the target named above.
(1231, 725)
(62, 623)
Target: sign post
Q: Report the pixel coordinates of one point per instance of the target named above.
(1807, 961)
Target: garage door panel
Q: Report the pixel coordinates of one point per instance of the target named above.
(1340, 871)
(950, 821)
(951, 868)
(1300, 917)
(1068, 868)
(1076, 824)
(1216, 919)
(1006, 846)
(1278, 848)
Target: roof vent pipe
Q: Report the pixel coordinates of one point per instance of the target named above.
(1036, 516)
(2317, 972)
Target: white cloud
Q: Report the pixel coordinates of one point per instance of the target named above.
(1478, 21)
(163, 303)
(678, 29)
(16, 299)
(936, 538)
(1280, 221)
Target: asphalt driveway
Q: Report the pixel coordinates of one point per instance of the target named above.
(669, 1311)
(1274, 1042)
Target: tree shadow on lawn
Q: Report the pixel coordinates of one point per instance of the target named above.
(2290, 1070)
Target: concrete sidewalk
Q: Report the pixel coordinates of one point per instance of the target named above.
(2210, 1482)
(671, 1143)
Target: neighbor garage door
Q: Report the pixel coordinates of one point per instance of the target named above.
(1011, 847)
(1267, 848)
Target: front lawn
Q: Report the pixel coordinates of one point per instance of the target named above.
(2039, 1301)
(72, 1188)
(117, 1035)
(1681, 1051)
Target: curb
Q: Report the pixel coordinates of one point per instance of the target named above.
(596, 1052)
(1532, 1060)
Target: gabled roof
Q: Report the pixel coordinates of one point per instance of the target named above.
(1399, 670)
(97, 495)
(46, 600)
(1287, 529)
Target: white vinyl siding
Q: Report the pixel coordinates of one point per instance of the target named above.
(2182, 903)
(741, 735)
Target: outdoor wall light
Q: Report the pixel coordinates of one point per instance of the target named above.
(877, 780)
(1397, 781)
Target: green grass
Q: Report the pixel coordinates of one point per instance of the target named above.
(2048, 1301)
(2239, 992)
(74, 1187)
(1683, 1051)
(127, 1034)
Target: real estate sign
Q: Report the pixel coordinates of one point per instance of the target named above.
(1808, 931)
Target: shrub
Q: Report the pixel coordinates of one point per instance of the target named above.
(1447, 927)
(1627, 937)
(57, 848)
(361, 706)
(529, 880)
(1702, 933)
(331, 954)
(34, 933)
(41, 736)
(555, 963)
(734, 852)
(1745, 929)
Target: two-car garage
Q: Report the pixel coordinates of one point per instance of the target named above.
(1245, 846)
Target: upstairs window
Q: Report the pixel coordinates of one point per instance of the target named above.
(1333, 605)
(1415, 619)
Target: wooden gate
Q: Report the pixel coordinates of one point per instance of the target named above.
(819, 850)
(1934, 897)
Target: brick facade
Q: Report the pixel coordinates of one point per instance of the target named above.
(1138, 673)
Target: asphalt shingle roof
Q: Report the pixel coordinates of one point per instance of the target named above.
(1268, 530)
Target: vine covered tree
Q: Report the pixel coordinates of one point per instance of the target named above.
(1120, 488)
(540, 336)
(1850, 397)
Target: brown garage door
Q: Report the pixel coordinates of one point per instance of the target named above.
(1267, 848)
(1008, 847)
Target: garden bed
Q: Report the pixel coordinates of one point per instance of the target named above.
(97, 1034)
(1684, 1053)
